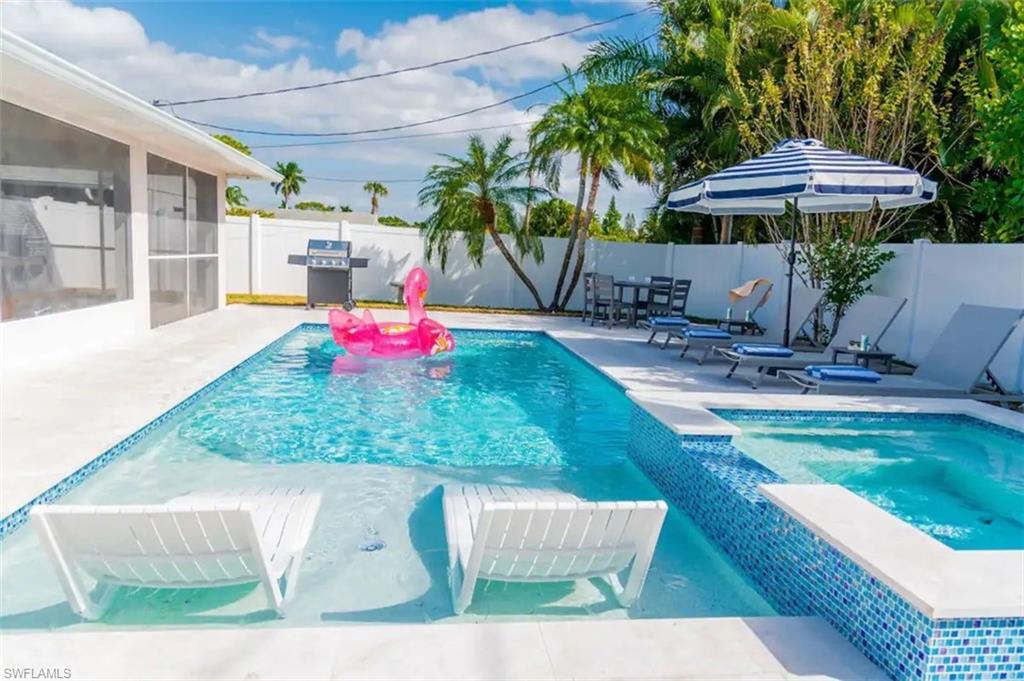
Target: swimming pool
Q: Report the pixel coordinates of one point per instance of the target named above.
(377, 440)
(959, 479)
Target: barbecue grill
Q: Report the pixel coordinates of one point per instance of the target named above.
(328, 272)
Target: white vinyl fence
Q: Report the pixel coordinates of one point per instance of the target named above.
(935, 278)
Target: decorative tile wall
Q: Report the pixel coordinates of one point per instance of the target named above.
(802, 574)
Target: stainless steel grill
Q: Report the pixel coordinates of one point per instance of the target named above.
(329, 266)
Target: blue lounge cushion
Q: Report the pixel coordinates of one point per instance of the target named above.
(669, 321)
(843, 372)
(762, 350)
(707, 332)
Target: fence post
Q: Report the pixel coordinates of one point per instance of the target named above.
(255, 253)
(917, 258)
(740, 262)
(670, 259)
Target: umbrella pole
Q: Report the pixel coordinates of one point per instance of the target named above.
(789, 284)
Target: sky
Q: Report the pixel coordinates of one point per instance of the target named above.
(175, 51)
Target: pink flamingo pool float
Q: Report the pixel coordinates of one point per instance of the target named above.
(420, 337)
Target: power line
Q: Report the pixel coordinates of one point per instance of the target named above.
(391, 138)
(404, 126)
(407, 69)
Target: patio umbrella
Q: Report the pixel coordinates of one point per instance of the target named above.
(814, 178)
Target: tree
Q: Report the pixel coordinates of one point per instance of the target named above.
(553, 217)
(233, 143)
(612, 222)
(395, 221)
(608, 127)
(291, 182)
(375, 190)
(630, 223)
(1001, 114)
(475, 195)
(234, 196)
(314, 205)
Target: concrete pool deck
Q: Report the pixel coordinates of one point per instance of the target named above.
(53, 423)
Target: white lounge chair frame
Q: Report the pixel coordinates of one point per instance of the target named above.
(527, 535)
(953, 367)
(871, 315)
(190, 542)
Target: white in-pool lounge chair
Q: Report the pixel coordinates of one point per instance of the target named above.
(952, 368)
(871, 316)
(520, 535)
(805, 300)
(195, 541)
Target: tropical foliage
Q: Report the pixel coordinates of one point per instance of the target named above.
(235, 144)
(608, 129)
(395, 221)
(1000, 197)
(375, 190)
(475, 197)
(234, 196)
(314, 205)
(907, 81)
(291, 181)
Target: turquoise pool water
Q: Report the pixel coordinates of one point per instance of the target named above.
(378, 440)
(956, 478)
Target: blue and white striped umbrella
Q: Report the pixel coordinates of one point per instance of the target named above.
(814, 178)
(817, 179)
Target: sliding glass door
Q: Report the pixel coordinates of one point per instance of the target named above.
(182, 241)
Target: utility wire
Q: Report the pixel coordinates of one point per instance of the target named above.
(404, 126)
(407, 69)
(391, 138)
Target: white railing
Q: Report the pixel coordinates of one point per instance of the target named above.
(935, 278)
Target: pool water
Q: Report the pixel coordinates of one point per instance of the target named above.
(956, 478)
(378, 440)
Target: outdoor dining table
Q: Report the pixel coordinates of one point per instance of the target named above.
(636, 286)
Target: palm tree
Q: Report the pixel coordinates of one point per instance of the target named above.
(234, 197)
(291, 182)
(475, 196)
(609, 127)
(375, 189)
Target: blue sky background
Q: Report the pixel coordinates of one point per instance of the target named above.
(184, 50)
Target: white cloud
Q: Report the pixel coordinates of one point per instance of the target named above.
(428, 38)
(113, 44)
(268, 44)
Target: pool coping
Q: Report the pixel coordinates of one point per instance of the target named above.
(941, 582)
(692, 415)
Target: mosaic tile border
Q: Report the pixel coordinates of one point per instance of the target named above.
(739, 415)
(802, 574)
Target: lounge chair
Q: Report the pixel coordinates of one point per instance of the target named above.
(194, 541)
(871, 316)
(805, 300)
(671, 314)
(952, 368)
(520, 535)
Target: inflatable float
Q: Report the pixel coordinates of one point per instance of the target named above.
(420, 337)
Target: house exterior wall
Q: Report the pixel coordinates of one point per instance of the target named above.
(61, 335)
